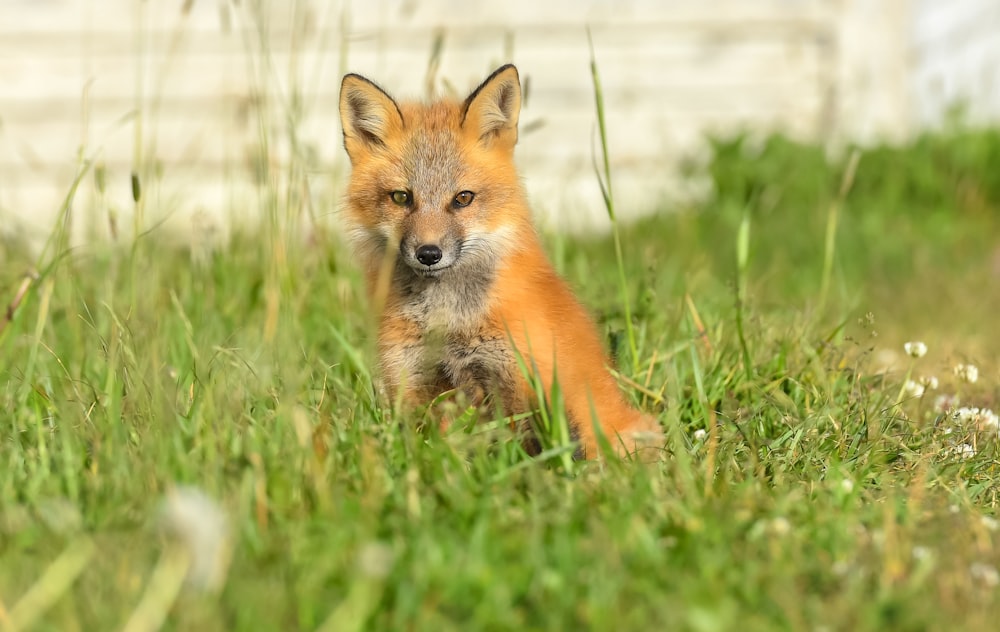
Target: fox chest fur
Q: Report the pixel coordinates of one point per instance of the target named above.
(438, 334)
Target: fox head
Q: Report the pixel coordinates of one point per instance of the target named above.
(434, 185)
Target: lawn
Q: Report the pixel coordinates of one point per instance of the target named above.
(196, 435)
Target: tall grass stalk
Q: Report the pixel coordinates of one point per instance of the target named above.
(832, 220)
(742, 274)
(57, 579)
(604, 181)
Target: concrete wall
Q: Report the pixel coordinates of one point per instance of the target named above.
(204, 98)
(955, 60)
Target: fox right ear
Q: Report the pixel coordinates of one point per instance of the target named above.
(491, 111)
(368, 115)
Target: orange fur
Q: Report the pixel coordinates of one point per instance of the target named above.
(441, 226)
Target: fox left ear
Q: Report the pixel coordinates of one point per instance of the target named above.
(491, 111)
(368, 115)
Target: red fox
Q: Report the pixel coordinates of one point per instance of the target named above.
(466, 297)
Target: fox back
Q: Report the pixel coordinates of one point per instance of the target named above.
(463, 290)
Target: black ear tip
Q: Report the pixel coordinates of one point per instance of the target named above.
(356, 79)
(506, 68)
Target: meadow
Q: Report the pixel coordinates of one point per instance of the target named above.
(192, 440)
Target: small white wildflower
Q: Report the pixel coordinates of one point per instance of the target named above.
(200, 525)
(991, 524)
(700, 434)
(847, 485)
(913, 389)
(967, 373)
(985, 573)
(780, 526)
(982, 418)
(954, 509)
(966, 414)
(989, 420)
(921, 553)
(964, 451)
(929, 382)
(915, 349)
(945, 403)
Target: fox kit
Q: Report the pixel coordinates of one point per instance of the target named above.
(465, 294)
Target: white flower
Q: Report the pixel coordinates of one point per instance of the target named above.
(929, 382)
(921, 553)
(982, 418)
(700, 434)
(913, 389)
(988, 420)
(985, 573)
(915, 349)
(991, 524)
(847, 485)
(945, 403)
(965, 414)
(963, 451)
(967, 373)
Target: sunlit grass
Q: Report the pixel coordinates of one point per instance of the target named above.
(804, 492)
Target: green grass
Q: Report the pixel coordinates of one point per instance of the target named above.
(813, 501)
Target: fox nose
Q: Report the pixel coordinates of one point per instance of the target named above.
(429, 254)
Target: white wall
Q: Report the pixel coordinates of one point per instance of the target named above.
(183, 97)
(955, 59)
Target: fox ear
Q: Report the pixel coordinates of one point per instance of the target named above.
(491, 111)
(368, 115)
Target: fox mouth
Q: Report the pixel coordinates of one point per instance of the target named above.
(430, 273)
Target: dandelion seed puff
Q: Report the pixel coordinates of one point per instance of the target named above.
(915, 349)
(199, 525)
(700, 434)
(967, 373)
(913, 389)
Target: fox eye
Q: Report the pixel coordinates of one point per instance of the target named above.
(401, 198)
(463, 199)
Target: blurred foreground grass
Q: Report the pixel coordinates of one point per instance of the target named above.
(801, 487)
